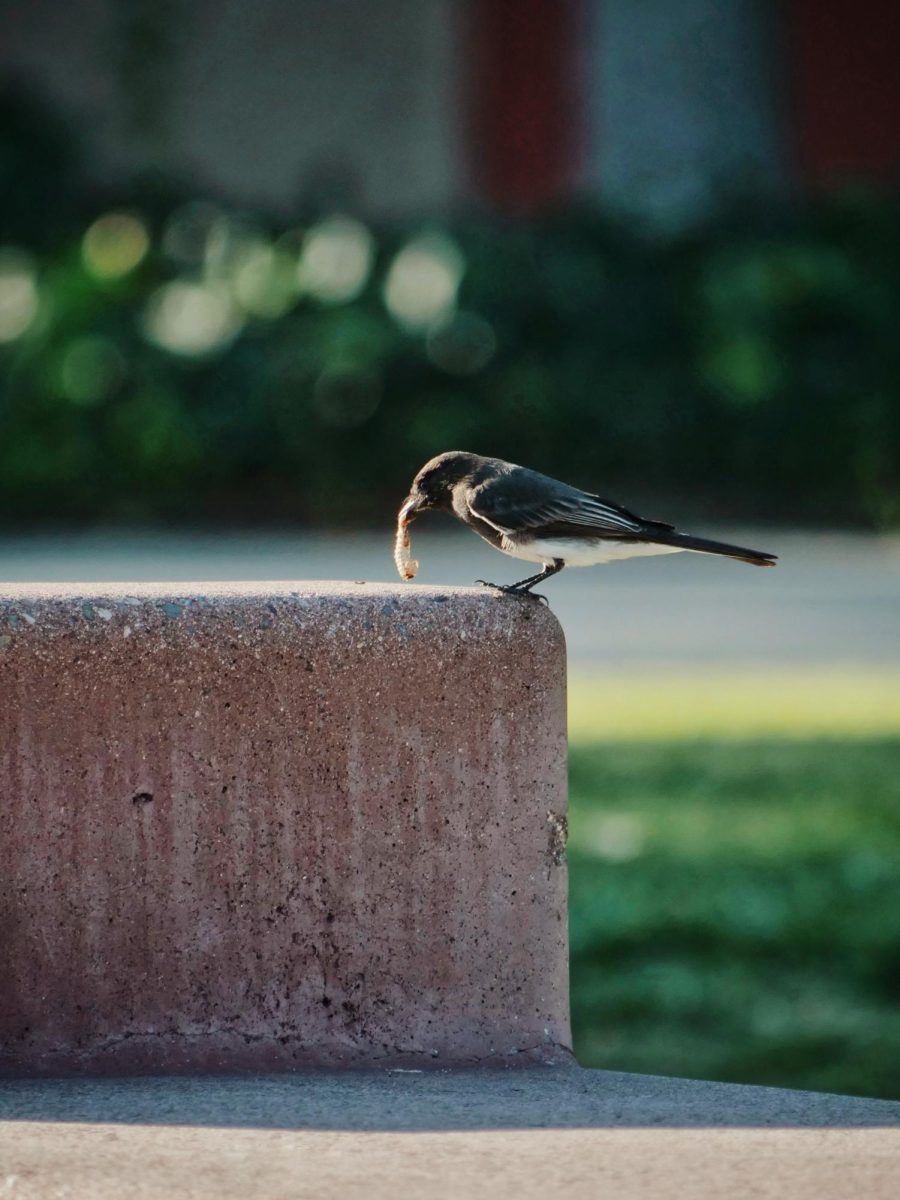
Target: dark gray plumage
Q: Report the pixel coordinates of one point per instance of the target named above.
(533, 517)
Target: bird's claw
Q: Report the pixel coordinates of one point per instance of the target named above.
(507, 588)
(512, 590)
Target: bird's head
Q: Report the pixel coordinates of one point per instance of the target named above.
(433, 485)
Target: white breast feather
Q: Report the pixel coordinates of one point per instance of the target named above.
(580, 552)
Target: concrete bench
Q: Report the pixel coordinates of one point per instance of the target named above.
(269, 826)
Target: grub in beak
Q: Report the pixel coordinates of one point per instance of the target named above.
(406, 564)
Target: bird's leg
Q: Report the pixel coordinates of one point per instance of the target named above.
(524, 586)
(512, 587)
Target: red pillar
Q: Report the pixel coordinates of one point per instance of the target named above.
(520, 59)
(846, 87)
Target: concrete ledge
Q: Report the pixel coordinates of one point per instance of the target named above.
(271, 826)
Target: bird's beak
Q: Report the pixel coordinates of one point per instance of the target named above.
(410, 507)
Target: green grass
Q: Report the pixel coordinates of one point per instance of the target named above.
(735, 904)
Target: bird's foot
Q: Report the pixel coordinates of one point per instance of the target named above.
(510, 589)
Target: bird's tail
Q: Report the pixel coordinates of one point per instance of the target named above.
(684, 541)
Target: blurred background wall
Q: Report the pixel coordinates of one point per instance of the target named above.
(652, 106)
(260, 102)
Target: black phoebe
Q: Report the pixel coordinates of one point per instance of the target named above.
(541, 520)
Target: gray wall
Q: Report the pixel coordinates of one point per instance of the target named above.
(256, 97)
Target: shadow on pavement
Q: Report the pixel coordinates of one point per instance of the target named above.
(395, 1101)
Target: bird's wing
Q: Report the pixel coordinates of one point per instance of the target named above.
(523, 500)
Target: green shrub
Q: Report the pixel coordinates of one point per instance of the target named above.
(172, 362)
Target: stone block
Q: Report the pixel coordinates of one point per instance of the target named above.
(271, 826)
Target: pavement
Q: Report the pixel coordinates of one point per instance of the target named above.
(833, 599)
(529, 1133)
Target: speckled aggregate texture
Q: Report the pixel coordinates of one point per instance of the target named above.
(255, 827)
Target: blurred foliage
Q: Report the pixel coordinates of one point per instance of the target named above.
(735, 911)
(162, 356)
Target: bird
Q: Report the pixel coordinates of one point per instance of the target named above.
(533, 517)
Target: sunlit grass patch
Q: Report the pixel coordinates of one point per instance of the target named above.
(735, 910)
(734, 702)
(735, 890)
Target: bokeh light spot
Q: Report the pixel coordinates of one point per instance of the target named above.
(232, 239)
(265, 280)
(91, 370)
(191, 318)
(464, 345)
(745, 369)
(335, 260)
(617, 837)
(114, 245)
(18, 293)
(421, 285)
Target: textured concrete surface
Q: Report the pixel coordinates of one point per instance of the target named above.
(267, 826)
(835, 598)
(77, 1162)
(534, 1133)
